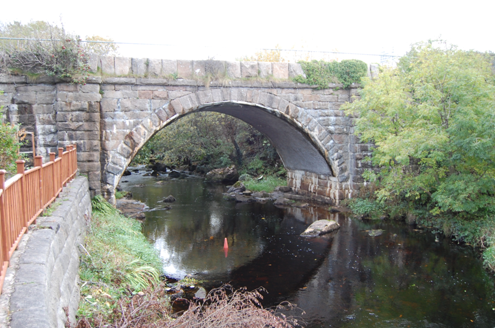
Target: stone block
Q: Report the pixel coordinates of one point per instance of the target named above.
(67, 87)
(89, 88)
(169, 67)
(32, 317)
(158, 103)
(233, 69)
(295, 69)
(160, 95)
(199, 68)
(93, 62)
(154, 68)
(265, 69)
(43, 109)
(176, 94)
(46, 129)
(280, 70)
(107, 65)
(88, 157)
(152, 81)
(127, 105)
(120, 87)
(122, 66)
(83, 97)
(25, 98)
(7, 78)
(139, 66)
(120, 80)
(109, 105)
(46, 119)
(107, 87)
(145, 94)
(215, 68)
(185, 69)
(249, 69)
(205, 97)
(36, 88)
(89, 166)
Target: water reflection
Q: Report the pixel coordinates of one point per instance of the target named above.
(402, 278)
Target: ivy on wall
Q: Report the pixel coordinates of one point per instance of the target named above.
(321, 73)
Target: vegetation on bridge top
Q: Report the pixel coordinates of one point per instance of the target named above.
(323, 74)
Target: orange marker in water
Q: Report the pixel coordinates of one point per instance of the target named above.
(225, 244)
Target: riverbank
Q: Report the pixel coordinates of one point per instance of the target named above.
(122, 282)
(117, 263)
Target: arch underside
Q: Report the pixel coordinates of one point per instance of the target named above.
(295, 149)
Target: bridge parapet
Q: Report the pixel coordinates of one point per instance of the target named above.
(192, 69)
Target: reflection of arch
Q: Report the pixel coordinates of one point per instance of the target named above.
(297, 136)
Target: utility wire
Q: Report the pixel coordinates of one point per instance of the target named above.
(170, 45)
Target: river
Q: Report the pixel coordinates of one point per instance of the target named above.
(402, 278)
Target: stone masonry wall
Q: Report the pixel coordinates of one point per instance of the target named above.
(115, 113)
(42, 280)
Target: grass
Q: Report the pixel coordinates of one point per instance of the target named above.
(267, 184)
(117, 261)
(50, 209)
(121, 194)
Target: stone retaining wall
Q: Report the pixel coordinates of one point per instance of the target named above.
(41, 287)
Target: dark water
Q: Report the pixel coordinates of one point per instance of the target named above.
(402, 278)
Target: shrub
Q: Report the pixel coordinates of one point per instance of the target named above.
(321, 73)
(226, 307)
(9, 144)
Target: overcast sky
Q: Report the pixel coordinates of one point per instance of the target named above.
(231, 29)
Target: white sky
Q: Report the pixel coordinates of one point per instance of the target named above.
(232, 29)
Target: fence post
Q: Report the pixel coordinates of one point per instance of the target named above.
(38, 162)
(74, 160)
(61, 173)
(5, 247)
(52, 159)
(21, 170)
(69, 161)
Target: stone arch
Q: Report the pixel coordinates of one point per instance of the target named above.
(303, 144)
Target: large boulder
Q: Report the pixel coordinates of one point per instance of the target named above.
(169, 199)
(174, 174)
(282, 201)
(225, 175)
(159, 167)
(320, 227)
(237, 187)
(132, 208)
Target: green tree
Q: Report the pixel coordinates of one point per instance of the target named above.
(214, 140)
(432, 119)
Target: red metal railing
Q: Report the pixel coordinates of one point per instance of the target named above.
(24, 197)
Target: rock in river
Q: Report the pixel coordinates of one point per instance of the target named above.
(132, 208)
(320, 227)
(169, 199)
(225, 175)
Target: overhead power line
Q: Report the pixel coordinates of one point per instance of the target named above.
(171, 45)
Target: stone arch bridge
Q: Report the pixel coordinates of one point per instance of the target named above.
(112, 117)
